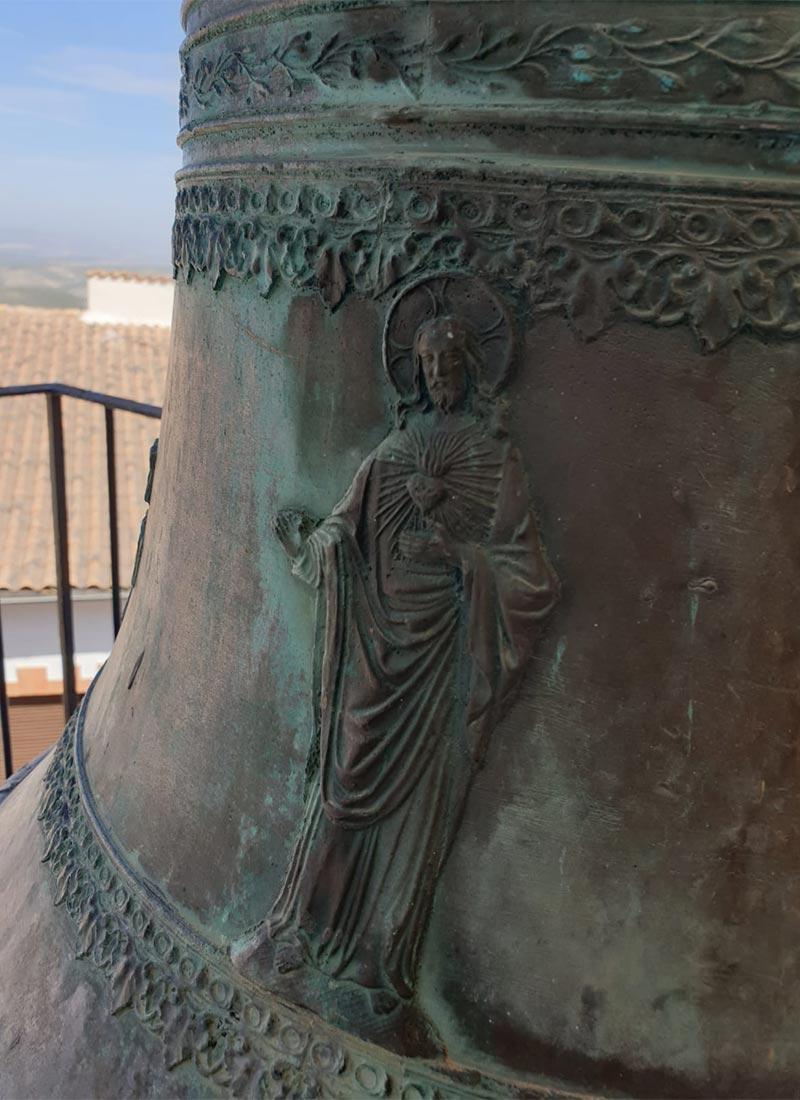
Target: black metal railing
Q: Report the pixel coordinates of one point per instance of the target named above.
(53, 393)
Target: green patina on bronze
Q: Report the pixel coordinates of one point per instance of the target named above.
(470, 296)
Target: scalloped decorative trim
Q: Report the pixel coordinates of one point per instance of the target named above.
(184, 990)
(721, 265)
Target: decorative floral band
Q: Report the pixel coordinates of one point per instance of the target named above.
(184, 990)
(721, 265)
(407, 57)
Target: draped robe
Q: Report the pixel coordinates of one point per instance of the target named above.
(417, 660)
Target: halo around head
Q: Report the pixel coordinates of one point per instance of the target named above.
(462, 296)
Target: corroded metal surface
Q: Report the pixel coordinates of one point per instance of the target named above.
(183, 990)
(520, 281)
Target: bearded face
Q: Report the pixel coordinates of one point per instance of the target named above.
(442, 354)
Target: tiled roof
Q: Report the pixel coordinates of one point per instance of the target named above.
(55, 345)
(128, 276)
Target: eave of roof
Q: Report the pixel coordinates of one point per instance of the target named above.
(128, 276)
(54, 345)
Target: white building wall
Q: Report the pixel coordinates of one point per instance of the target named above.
(30, 633)
(120, 300)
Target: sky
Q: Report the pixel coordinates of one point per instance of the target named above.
(88, 119)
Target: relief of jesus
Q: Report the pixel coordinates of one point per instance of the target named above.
(434, 586)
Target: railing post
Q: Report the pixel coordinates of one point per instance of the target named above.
(61, 537)
(53, 392)
(113, 524)
(5, 724)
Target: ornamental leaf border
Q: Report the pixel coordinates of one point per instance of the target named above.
(588, 57)
(721, 265)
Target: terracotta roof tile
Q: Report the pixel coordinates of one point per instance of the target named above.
(129, 276)
(55, 345)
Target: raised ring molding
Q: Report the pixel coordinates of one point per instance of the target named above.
(720, 264)
(536, 173)
(742, 132)
(183, 989)
(268, 11)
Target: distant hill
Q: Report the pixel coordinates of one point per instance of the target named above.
(47, 285)
(50, 285)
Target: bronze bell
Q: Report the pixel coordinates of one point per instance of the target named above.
(449, 747)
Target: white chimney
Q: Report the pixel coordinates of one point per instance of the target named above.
(126, 298)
